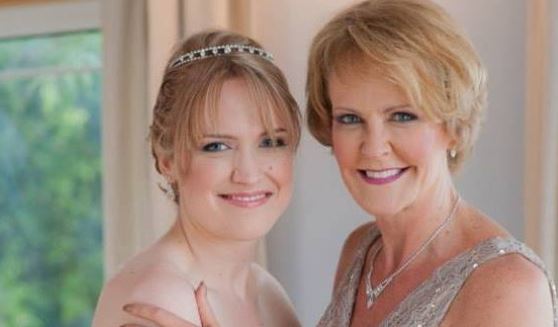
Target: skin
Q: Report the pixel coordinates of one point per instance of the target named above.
(376, 129)
(237, 183)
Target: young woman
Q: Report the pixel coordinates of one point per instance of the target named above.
(224, 135)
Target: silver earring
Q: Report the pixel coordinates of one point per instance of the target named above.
(453, 153)
(166, 187)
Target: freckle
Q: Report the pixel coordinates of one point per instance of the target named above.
(270, 168)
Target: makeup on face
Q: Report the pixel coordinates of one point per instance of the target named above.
(388, 152)
(239, 177)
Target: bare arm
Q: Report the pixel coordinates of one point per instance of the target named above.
(158, 288)
(510, 291)
(163, 318)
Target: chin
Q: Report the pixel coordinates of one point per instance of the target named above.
(252, 231)
(382, 206)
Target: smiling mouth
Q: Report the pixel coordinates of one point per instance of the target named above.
(379, 177)
(247, 200)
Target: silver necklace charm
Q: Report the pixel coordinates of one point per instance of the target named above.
(372, 293)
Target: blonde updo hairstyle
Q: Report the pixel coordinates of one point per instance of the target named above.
(187, 102)
(413, 43)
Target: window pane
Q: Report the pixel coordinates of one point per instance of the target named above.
(50, 179)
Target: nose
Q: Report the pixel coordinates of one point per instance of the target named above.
(246, 168)
(376, 141)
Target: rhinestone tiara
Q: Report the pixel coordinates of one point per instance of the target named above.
(220, 50)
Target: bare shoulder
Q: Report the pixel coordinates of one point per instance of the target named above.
(145, 279)
(348, 252)
(506, 291)
(277, 307)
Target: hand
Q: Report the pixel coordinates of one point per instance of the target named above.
(164, 318)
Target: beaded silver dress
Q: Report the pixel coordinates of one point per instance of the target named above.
(427, 305)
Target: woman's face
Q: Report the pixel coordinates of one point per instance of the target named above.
(389, 153)
(239, 179)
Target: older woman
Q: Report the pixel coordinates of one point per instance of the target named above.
(398, 92)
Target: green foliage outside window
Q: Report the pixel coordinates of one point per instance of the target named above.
(50, 180)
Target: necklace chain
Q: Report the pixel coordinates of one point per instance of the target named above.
(372, 293)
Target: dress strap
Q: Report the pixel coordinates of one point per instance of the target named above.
(428, 304)
(340, 309)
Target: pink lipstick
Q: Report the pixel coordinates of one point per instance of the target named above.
(381, 177)
(247, 200)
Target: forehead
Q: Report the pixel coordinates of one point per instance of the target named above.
(239, 109)
(363, 88)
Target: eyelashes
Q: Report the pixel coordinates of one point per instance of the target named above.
(348, 119)
(398, 117)
(266, 142)
(269, 142)
(215, 147)
(402, 116)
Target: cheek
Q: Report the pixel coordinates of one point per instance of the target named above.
(204, 174)
(344, 146)
(425, 147)
(281, 170)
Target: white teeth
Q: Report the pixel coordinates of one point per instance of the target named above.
(251, 198)
(382, 174)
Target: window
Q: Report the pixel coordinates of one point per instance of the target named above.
(50, 179)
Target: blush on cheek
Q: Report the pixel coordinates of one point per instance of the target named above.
(421, 147)
(282, 170)
(345, 147)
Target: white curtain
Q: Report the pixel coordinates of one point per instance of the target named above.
(125, 119)
(541, 138)
(138, 38)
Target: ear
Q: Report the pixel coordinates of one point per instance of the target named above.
(449, 139)
(452, 142)
(167, 166)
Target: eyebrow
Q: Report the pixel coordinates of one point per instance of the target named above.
(231, 137)
(397, 107)
(386, 109)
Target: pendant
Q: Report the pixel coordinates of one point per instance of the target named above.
(372, 293)
(371, 296)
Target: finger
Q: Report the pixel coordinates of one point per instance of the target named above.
(207, 316)
(131, 325)
(156, 315)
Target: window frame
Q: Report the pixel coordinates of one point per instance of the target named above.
(19, 19)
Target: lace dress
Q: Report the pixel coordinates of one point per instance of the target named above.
(427, 305)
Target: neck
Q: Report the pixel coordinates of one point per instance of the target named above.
(406, 231)
(222, 264)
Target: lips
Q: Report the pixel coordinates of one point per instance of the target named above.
(247, 200)
(380, 177)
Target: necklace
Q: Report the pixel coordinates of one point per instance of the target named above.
(372, 293)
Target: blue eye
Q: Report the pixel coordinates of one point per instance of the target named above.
(215, 147)
(348, 119)
(268, 142)
(403, 117)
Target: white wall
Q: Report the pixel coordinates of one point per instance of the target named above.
(493, 178)
(304, 246)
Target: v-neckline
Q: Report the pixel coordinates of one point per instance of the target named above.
(360, 261)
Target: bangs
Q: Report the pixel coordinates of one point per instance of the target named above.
(416, 78)
(274, 110)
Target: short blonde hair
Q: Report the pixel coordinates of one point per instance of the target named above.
(189, 94)
(414, 43)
